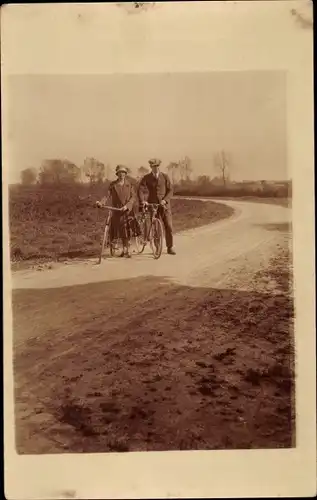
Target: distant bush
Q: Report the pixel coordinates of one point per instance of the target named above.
(207, 188)
(28, 176)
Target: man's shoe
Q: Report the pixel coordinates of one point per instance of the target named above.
(171, 251)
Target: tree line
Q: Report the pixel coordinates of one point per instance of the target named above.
(93, 171)
(58, 171)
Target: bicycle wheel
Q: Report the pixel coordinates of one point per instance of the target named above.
(140, 241)
(156, 238)
(105, 243)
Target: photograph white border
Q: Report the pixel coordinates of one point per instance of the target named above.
(175, 37)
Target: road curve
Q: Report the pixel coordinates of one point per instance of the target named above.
(205, 255)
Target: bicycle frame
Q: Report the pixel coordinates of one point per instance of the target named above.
(154, 208)
(108, 220)
(151, 221)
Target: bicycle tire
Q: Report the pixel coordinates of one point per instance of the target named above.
(105, 241)
(141, 240)
(156, 234)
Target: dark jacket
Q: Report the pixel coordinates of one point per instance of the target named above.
(155, 189)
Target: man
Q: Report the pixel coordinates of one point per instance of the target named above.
(121, 195)
(159, 189)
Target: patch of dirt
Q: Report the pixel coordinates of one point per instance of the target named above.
(146, 364)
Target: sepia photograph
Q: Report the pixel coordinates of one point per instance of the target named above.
(150, 239)
(152, 254)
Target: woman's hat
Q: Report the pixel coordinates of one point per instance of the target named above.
(155, 162)
(121, 168)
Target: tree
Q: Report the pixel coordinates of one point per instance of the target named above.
(142, 171)
(58, 172)
(182, 170)
(108, 172)
(28, 176)
(221, 162)
(187, 168)
(94, 170)
(71, 172)
(203, 180)
(216, 181)
(173, 170)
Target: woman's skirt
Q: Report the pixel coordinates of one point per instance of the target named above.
(121, 226)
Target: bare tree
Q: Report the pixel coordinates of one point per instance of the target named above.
(203, 180)
(182, 169)
(221, 163)
(173, 170)
(28, 176)
(71, 172)
(187, 168)
(129, 171)
(108, 172)
(58, 171)
(142, 171)
(51, 172)
(94, 170)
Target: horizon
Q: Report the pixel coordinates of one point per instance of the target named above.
(193, 179)
(130, 118)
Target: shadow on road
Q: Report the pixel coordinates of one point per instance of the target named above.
(143, 364)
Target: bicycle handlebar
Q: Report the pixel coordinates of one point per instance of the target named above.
(114, 209)
(154, 205)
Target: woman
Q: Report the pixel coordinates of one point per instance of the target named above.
(120, 195)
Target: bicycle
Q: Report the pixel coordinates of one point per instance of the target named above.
(115, 245)
(154, 233)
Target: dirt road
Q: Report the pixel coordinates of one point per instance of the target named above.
(204, 255)
(188, 352)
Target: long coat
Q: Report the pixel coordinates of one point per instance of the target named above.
(119, 196)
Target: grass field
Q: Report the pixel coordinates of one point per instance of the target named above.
(58, 224)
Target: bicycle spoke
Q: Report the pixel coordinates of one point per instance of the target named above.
(156, 237)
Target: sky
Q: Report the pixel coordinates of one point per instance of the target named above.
(131, 118)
